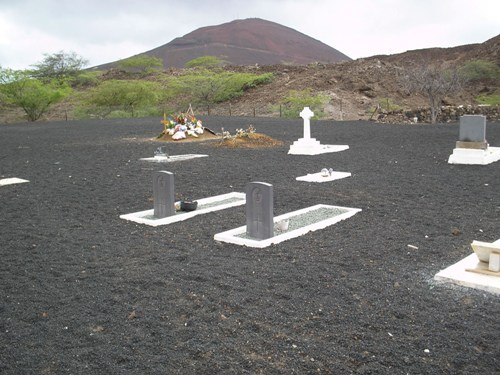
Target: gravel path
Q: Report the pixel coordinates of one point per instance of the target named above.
(85, 292)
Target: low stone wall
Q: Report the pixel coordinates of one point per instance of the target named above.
(448, 114)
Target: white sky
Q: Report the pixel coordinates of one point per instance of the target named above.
(107, 30)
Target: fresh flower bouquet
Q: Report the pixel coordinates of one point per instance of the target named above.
(182, 125)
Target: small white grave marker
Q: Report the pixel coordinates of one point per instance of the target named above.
(310, 146)
(10, 181)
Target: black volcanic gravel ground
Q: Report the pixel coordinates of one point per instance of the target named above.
(85, 292)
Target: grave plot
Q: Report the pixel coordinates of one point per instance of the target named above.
(166, 210)
(262, 229)
(161, 156)
(12, 180)
(480, 270)
(310, 146)
(472, 147)
(325, 175)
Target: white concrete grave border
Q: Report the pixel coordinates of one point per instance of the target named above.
(172, 158)
(465, 273)
(318, 177)
(205, 205)
(12, 180)
(474, 157)
(236, 236)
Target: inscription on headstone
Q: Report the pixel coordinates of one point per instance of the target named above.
(259, 210)
(163, 194)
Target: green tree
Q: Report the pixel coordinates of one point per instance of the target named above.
(297, 100)
(208, 87)
(32, 95)
(60, 66)
(142, 63)
(128, 96)
(480, 70)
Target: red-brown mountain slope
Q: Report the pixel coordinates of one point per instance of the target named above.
(245, 42)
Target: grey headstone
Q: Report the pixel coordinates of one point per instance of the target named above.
(472, 128)
(259, 210)
(163, 194)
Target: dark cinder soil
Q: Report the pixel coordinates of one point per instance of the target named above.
(85, 292)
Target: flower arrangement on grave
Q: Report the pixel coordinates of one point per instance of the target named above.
(181, 125)
(240, 133)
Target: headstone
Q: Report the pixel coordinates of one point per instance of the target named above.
(163, 194)
(472, 132)
(306, 114)
(259, 210)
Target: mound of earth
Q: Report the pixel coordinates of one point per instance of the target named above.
(252, 140)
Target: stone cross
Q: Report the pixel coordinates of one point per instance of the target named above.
(163, 194)
(306, 114)
(259, 210)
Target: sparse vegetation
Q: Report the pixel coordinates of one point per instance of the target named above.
(32, 95)
(480, 70)
(296, 100)
(119, 98)
(492, 100)
(141, 63)
(61, 66)
(205, 62)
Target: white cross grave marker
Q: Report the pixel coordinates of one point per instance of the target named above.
(306, 114)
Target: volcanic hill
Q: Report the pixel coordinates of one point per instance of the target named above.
(245, 42)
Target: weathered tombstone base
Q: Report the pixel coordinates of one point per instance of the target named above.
(474, 156)
(489, 257)
(476, 270)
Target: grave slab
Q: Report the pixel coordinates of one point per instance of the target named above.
(312, 147)
(172, 158)
(300, 222)
(318, 177)
(205, 205)
(12, 180)
(457, 274)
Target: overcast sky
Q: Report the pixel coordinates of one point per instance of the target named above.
(107, 30)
